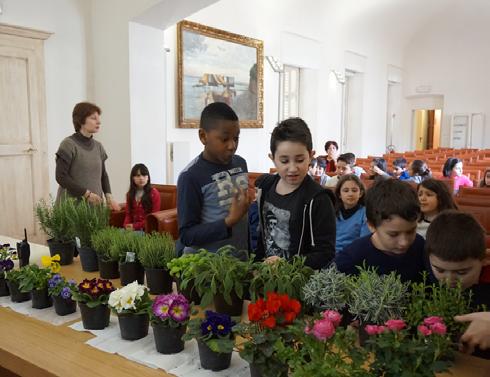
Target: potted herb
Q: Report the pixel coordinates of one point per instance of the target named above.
(86, 220)
(61, 290)
(215, 339)
(181, 269)
(132, 305)
(221, 277)
(35, 280)
(6, 264)
(127, 245)
(270, 319)
(156, 250)
(169, 317)
(92, 296)
(55, 221)
(282, 277)
(14, 277)
(108, 257)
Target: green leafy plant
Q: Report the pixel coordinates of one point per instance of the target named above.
(281, 276)
(55, 218)
(33, 278)
(327, 289)
(181, 267)
(156, 250)
(15, 276)
(376, 298)
(6, 262)
(126, 242)
(103, 241)
(87, 219)
(219, 273)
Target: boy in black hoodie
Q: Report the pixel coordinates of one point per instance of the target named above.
(296, 214)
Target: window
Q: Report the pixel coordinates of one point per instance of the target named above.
(290, 92)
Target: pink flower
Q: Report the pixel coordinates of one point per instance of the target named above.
(332, 316)
(431, 320)
(438, 328)
(307, 330)
(395, 324)
(374, 329)
(424, 330)
(323, 329)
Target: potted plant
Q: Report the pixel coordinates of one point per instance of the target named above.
(181, 269)
(55, 221)
(398, 351)
(127, 245)
(132, 305)
(86, 220)
(169, 317)
(14, 277)
(215, 339)
(35, 280)
(108, 257)
(270, 319)
(155, 251)
(61, 290)
(92, 296)
(221, 277)
(282, 277)
(6, 264)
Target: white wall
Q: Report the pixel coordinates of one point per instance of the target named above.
(67, 52)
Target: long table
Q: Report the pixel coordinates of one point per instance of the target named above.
(31, 348)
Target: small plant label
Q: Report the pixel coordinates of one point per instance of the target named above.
(77, 242)
(130, 256)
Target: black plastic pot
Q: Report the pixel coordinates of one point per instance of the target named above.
(4, 289)
(95, 318)
(213, 360)
(168, 339)
(134, 326)
(16, 295)
(189, 292)
(158, 281)
(88, 259)
(64, 306)
(255, 371)
(109, 269)
(41, 299)
(131, 271)
(66, 250)
(221, 306)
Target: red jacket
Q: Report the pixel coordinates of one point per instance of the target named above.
(485, 275)
(139, 214)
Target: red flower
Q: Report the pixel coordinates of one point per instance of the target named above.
(289, 317)
(395, 324)
(439, 328)
(424, 330)
(269, 322)
(255, 311)
(273, 305)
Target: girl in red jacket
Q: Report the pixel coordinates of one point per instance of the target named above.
(141, 198)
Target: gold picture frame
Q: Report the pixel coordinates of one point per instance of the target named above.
(218, 66)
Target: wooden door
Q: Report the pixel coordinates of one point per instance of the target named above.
(23, 140)
(430, 129)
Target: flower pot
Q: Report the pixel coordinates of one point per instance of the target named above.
(108, 269)
(189, 292)
(133, 326)
(131, 271)
(256, 372)
(63, 306)
(213, 360)
(158, 281)
(168, 339)
(88, 259)
(66, 250)
(16, 295)
(94, 318)
(221, 306)
(41, 299)
(4, 289)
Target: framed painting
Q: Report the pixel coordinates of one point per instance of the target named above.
(218, 66)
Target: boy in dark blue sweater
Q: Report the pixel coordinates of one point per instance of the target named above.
(212, 197)
(392, 211)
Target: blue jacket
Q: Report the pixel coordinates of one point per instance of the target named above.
(351, 229)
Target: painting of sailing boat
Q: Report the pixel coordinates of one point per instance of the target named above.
(218, 66)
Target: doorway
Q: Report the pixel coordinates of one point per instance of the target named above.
(353, 107)
(427, 128)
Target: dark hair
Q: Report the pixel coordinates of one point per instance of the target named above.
(444, 197)
(455, 236)
(449, 165)
(380, 163)
(347, 158)
(419, 167)
(349, 177)
(400, 162)
(130, 196)
(482, 182)
(216, 111)
(81, 112)
(329, 143)
(291, 129)
(390, 197)
(350, 155)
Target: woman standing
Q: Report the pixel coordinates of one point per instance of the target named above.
(80, 159)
